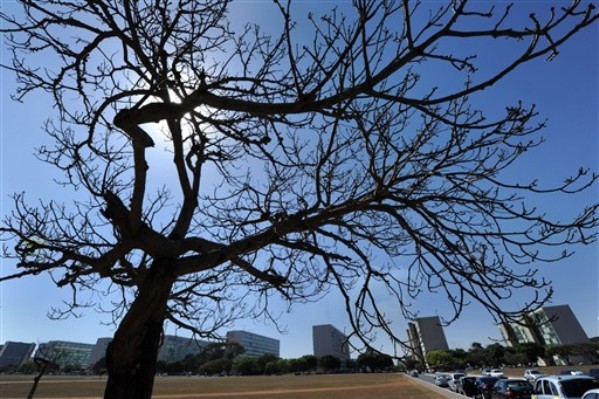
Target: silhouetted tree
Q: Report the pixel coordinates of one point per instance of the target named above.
(296, 158)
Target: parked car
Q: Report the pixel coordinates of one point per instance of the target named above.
(442, 380)
(484, 386)
(563, 386)
(495, 373)
(413, 373)
(511, 388)
(571, 372)
(453, 381)
(533, 375)
(466, 386)
(591, 394)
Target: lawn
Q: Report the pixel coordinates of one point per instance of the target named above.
(346, 386)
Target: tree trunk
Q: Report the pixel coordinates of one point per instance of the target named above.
(131, 356)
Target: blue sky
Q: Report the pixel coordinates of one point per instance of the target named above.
(565, 91)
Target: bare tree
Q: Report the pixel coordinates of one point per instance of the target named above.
(301, 162)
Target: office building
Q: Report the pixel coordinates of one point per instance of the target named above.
(15, 353)
(327, 340)
(65, 353)
(549, 325)
(424, 335)
(99, 350)
(175, 348)
(255, 345)
(172, 349)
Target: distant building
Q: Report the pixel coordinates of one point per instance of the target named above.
(65, 353)
(426, 335)
(327, 340)
(549, 325)
(173, 348)
(99, 350)
(255, 345)
(176, 348)
(15, 353)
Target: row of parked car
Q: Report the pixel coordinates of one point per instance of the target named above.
(571, 384)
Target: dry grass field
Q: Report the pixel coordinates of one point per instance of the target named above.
(346, 386)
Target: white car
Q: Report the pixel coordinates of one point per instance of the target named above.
(533, 375)
(497, 373)
(592, 394)
(563, 387)
(454, 377)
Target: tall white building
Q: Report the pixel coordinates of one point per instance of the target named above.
(255, 345)
(327, 340)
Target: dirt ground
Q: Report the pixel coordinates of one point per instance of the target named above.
(346, 386)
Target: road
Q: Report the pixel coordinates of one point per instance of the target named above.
(428, 379)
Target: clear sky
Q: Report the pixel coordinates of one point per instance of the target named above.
(565, 91)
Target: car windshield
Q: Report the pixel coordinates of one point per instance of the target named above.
(518, 384)
(577, 387)
(534, 372)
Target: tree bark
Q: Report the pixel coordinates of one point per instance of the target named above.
(131, 356)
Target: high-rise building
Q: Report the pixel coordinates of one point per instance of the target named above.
(255, 345)
(65, 353)
(327, 340)
(549, 325)
(15, 353)
(425, 335)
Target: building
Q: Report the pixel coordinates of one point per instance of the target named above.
(549, 325)
(255, 345)
(327, 340)
(15, 353)
(99, 350)
(175, 348)
(65, 353)
(424, 335)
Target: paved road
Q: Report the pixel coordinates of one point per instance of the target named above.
(428, 380)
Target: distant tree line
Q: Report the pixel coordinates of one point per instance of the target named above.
(213, 360)
(498, 355)
(227, 359)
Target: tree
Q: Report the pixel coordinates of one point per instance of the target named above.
(494, 354)
(217, 366)
(476, 355)
(247, 366)
(298, 365)
(311, 361)
(329, 363)
(301, 163)
(373, 361)
(439, 358)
